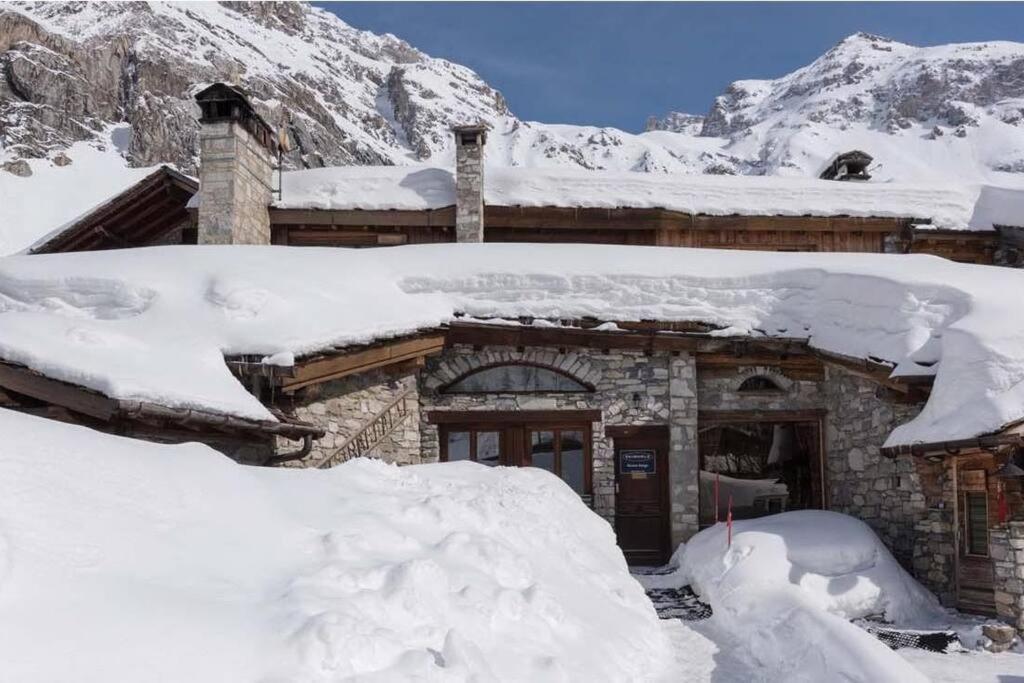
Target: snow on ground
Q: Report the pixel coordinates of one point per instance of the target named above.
(968, 667)
(785, 589)
(948, 205)
(55, 195)
(783, 595)
(100, 319)
(122, 560)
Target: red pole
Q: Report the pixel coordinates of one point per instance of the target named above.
(728, 520)
(716, 497)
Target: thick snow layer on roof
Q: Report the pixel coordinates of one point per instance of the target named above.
(787, 587)
(422, 187)
(154, 324)
(38, 207)
(122, 560)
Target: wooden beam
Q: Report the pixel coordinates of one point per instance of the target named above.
(335, 366)
(707, 417)
(512, 416)
(22, 380)
(441, 217)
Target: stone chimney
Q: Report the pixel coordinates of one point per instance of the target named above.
(236, 153)
(469, 182)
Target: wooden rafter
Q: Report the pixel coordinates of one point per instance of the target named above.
(350, 362)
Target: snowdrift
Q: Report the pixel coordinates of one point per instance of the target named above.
(788, 586)
(101, 319)
(127, 561)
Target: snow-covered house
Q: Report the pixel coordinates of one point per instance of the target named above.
(388, 205)
(665, 386)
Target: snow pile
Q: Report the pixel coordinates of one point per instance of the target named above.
(127, 561)
(788, 586)
(103, 319)
(947, 205)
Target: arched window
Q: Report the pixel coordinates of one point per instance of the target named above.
(759, 383)
(515, 378)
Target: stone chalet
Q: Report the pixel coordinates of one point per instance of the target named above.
(656, 425)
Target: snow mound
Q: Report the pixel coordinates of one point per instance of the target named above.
(788, 586)
(130, 561)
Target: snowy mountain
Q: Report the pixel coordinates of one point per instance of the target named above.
(83, 82)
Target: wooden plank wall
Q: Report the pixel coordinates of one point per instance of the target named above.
(355, 228)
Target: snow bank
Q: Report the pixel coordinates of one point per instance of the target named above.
(154, 324)
(788, 585)
(948, 205)
(128, 561)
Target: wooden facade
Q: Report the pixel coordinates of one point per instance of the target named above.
(649, 227)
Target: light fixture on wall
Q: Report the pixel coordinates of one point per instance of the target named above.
(636, 401)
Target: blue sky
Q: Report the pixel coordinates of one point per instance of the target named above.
(616, 63)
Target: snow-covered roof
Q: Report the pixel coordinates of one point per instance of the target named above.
(155, 324)
(947, 206)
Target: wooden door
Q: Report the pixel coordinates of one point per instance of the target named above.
(641, 498)
(976, 573)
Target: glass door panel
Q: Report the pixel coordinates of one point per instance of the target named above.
(572, 460)
(488, 448)
(542, 451)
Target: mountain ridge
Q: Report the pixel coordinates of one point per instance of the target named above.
(91, 93)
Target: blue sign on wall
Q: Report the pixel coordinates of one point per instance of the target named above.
(639, 460)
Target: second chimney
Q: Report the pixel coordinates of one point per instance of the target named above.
(469, 182)
(236, 152)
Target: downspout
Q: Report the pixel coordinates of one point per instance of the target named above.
(307, 446)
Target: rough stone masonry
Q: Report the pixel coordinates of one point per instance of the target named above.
(469, 182)
(234, 186)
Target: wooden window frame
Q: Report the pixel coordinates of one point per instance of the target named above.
(515, 445)
(557, 430)
(714, 418)
(447, 387)
(967, 523)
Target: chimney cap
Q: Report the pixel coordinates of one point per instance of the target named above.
(223, 102)
(479, 127)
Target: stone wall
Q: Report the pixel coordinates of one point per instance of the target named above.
(1006, 546)
(343, 406)
(234, 186)
(719, 390)
(901, 498)
(665, 386)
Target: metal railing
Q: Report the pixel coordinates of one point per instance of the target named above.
(369, 436)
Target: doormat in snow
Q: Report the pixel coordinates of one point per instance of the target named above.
(678, 603)
(934, 641)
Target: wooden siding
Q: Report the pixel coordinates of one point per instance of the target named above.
(358, 228)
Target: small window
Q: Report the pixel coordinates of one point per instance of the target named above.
(976, 522)
(469, 139)
(500, 379)
(759, 383)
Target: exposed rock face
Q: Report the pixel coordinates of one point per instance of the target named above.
(70, 70)
(676, 122)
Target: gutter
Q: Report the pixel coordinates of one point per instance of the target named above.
(185, 416)
(956, 446)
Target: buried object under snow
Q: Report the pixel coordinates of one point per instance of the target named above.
(788, 586)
